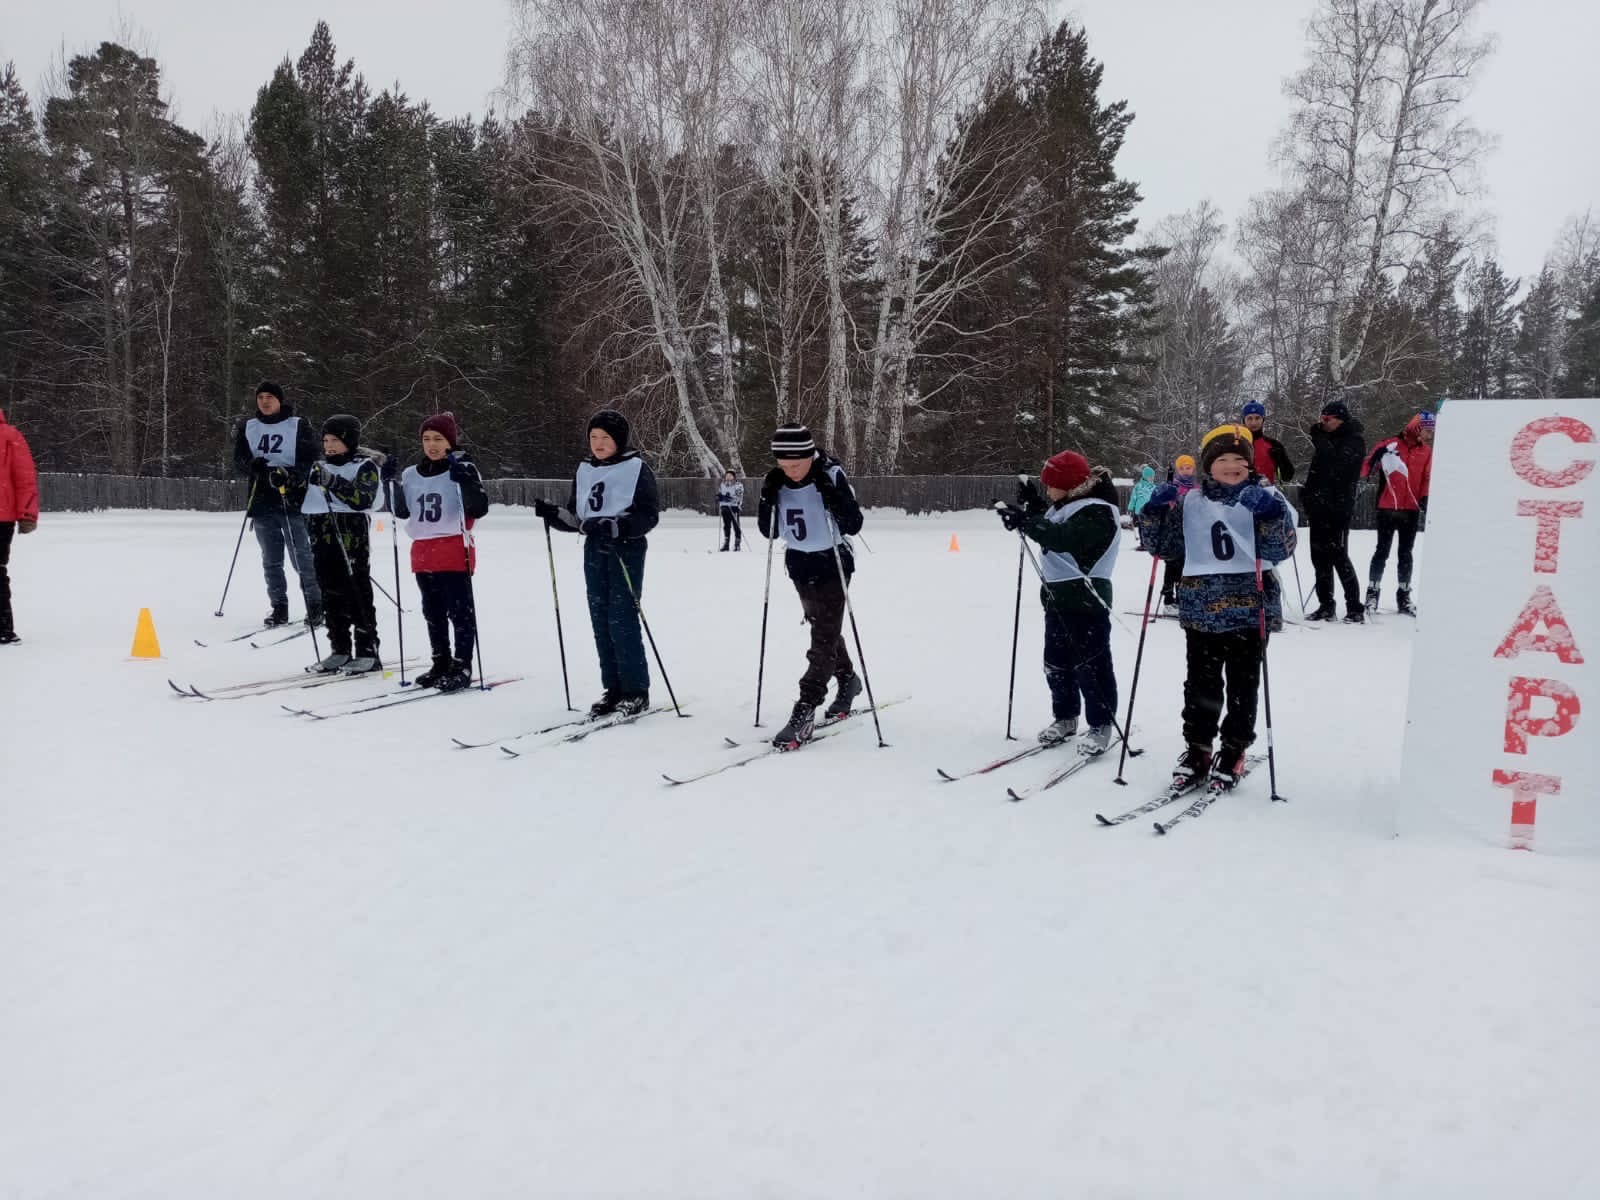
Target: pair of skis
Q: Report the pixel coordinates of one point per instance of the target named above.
(1209, 789)
(301, 681)
(384, 700)
(259, 638)
(767, 749)
(1060, 775)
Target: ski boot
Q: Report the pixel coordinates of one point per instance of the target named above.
(800, 729)
(1096, 741)
(605, 706)
(1402, 601)
(1228, 767)
(1193, 765)
(442, 666)
(1323, 612)
(1058, 731)
(278, 616)
(633, 705)
(1355, 615)
(9, 638)
(364, 663)
(459, 676)
(335, 661)
(849, 689)
(1372, 597)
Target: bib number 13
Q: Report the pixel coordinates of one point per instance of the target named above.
(1222, 548)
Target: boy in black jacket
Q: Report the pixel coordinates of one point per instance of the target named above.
(808, 501)
(341, 489)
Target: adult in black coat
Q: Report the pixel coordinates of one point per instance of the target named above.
(1328, 497)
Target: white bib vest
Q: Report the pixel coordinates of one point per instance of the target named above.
(1218, 539)
(435, 505)
(803, 518)
(274, 442)
(606, 489)
(1062, 568)
(319, 500)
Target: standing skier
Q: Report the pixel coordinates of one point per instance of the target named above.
(807, 500)
(1329, 497)
(1079, 533)
(1271, 460)
(730, 499)
(19, 511)
(440, 499)
(1224, 531)
(1405, 464)
(276, 448)
(614, 505)
(341, 487)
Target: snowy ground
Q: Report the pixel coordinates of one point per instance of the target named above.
(248, 955)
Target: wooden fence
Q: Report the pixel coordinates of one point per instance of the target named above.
(913, 493)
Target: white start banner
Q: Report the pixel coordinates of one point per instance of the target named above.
(1506, 653)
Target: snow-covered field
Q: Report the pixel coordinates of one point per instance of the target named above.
(249, 955)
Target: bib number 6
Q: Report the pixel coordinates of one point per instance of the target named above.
(1222, 548)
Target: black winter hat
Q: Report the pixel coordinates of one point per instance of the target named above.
(272, 389)
(1225, 439)
(793, 441)
(613, 423)
(344, 427)
(1336, 408)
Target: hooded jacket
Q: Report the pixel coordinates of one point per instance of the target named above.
(1329, 492)
(1405, 465)
(19, 481)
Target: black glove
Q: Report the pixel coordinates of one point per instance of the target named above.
(774, 480)
(1028, 494)
(826, 487)
(278, 478)
(258, 467)
(1422, 505)
(1012, 517)
(460, 470)
(319, 476)
(390, 469)
(546, 511)
(600, 527)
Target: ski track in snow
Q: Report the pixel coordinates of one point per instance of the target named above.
(249, 955)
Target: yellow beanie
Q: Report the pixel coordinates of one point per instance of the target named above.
(1184, 464)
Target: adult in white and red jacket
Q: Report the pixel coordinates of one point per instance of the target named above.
(1404, 466)
(19, 511)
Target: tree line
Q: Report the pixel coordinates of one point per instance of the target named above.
(903, 224)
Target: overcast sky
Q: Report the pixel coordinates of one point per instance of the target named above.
(1203, 76)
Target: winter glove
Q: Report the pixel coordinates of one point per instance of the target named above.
(26, 526)
(822, 478)
(1261, 501)
(258, 467)
(546, 511)
(1163, 497)
(390, 469)
(278, 478)
(774, 480)
(460, 470)
(1422, 505)
(600, 527)
(1012, 517)
(1029, 496)
(319, 475)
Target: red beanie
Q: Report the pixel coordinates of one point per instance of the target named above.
(1067, 470)
(444, 424)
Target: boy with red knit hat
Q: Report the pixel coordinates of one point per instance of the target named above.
(1078, 531)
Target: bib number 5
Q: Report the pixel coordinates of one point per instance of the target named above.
(795, 519)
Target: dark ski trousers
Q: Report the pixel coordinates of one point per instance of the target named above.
(1221, 666)
(1077, 663)
(446, 601)
(7, 530)
(270, 537)
(624, 669)
(1330, 554)
(730, 525)
(347, 605)
(822, 601)
(1391, 522)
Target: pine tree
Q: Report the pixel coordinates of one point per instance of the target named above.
(23, 203)
(1488, 339)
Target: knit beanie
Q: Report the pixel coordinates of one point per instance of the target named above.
(1065, 471)
(613, 423)
(444, 424)
(793, 441)
(344, 427)
(1224, 439)
(1253, 409)
(1147, 472)
(1427, 420)
(272, 389)
(1336, 408)
(1184, 464)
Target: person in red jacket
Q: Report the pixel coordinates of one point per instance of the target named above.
(1268, 457)
(1404, 464)
(19, 511)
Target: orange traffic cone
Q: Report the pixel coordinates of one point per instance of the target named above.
(145, 644)
(955, 544)
(380, 525)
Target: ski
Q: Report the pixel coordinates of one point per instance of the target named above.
(1059, 775)
(611, 721)
(1170, 794)
(995, 765)
(278, 641)
(516, 737)
(385, 700)
(768, 750)
(1215, 789)
(258, 631)
(303, 682)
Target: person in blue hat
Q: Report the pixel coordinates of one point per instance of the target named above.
(1270, 460)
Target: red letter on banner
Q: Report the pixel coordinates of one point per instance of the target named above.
(1525, 792)
(1547, 538)
(1557, 638)
(1521, 724)
(1522, 448)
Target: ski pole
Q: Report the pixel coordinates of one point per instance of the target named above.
(1016, 630)
(386, 595)
(627, 582)
(288, 546)
(1266, 681)
(855, 631)
(555, 598)
(399, 620)
(243, 521)
(1138, 661)
(1299, 587)
(472, 596)
(766, 605)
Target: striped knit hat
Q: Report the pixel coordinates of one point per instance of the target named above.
(793, 441)
(1224, 439)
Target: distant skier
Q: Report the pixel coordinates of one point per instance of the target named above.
(1329, 497)
(1405, 466)
(342, 488)
(440, 499)
(276, 448)
(1182, 478)
(1271, 460)
(807, 500)
(1079, 532)
(19, 512)
(613, 503)
(730, 500)
(1142, 489)
(1221, 531)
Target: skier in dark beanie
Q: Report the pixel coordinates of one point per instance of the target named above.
(275, 448)
(807, 500)
(1329, 497)
(19, 511)
(343, 486)
(1271, 460)
(614, 505)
